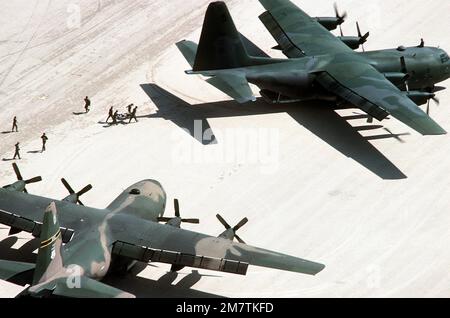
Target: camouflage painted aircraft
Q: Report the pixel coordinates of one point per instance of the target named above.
(320, 66)
(81, 245)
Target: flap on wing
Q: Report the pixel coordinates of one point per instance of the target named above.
(332, 85)
(29, 226)
(297, 32)
(234, 85)
(284, 42)
(145, 254)
(214, 254)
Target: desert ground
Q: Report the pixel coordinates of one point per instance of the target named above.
(370, 201)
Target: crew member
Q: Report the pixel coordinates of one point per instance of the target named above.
(14, 125)
(16, 153)
(87, 104)
(110, 114)
(133, 115)
(114, 118)
(44, 141)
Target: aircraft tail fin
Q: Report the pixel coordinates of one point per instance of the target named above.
(49, 260)
(221, 46)
(189, 49)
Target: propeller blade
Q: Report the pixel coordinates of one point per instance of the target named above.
(428, 108)
(340, 17)
(33, 180)
(365, 37)
(239, 239)
(240, 224)
(176, 205)
(340, 28)
(193, 221)
(67, 185)
(84, 190)
(80, 203)
(164, 219)
(25, 190)
(224, 223)
(436, 100)
(403, 65)
(359, 30)
(17, 171)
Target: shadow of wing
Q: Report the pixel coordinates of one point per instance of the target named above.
(317, 117)
(326, 124)
(162, 288)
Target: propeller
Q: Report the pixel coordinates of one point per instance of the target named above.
(230, 232)
(340, 17)
(177, 220)
(396, 136)
(20, 184)
(404, 70)
(362, 38)
(435, 99)
(74, 197)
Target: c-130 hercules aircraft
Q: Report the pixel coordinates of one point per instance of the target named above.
(320, 66)
(112, 240)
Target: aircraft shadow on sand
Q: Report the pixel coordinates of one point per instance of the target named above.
(161, 288)
(139, 286)
(318, 117)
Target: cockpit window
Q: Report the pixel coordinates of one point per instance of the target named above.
(135, 192)
(444, 58)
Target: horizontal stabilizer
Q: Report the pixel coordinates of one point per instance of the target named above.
(234, 85)
(189, 50)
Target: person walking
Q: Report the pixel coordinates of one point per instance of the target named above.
(14, 125)
(16, 153)
(133, 115)
(110, 114)
(129, 108)
(44, 141)
(87, 104)
(114, 118)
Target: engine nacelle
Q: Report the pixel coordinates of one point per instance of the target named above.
(420, 98)
(329, 23)
(397, 78)
(353, 42)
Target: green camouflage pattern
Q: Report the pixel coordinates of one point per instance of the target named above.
(320, 67)
(113, 239)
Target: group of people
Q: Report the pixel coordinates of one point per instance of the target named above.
(114, 115)
(15, 128)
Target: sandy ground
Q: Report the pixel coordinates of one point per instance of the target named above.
(373, 208)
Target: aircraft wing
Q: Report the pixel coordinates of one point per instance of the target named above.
(297, 33)
(363, 86)
(166, 244)
(9, 269)
(24, 212)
